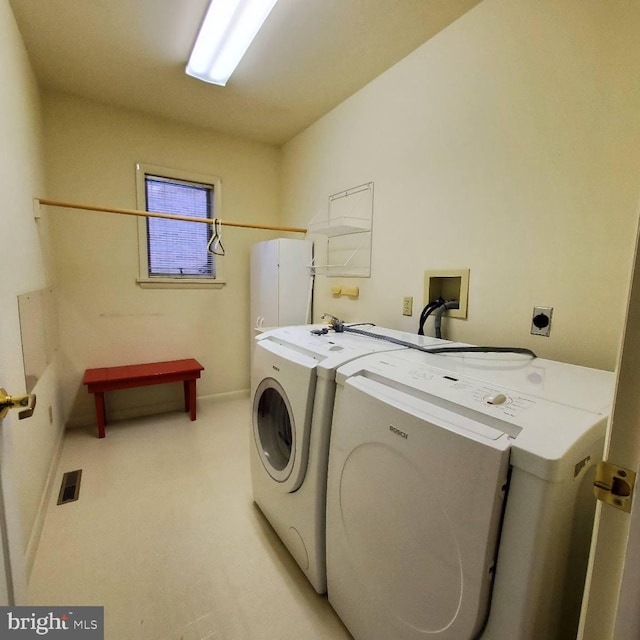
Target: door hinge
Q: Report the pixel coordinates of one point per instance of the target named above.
(614, 485)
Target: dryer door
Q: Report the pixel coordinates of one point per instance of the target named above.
(282, 405)
(414, 501)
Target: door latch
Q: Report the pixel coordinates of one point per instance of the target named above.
(614, 485)
(26, 402)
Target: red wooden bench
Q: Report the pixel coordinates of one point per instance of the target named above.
(139, 375)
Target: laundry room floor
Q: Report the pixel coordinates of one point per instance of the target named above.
(166, 537)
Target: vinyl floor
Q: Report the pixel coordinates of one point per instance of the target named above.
(166, 537)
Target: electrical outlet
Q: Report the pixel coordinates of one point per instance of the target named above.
(407, 306)
(541, 321)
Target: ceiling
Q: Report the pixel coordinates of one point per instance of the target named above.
(309, 56)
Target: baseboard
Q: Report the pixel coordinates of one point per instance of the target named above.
(87, 419)
(225, 397)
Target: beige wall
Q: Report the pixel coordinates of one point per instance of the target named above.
(508, 144)
(29, 447)
(105, 318)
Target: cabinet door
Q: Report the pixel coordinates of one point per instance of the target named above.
(294, 286)
(264, 284)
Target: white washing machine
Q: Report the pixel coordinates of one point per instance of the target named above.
(292, 390)
(459, 497)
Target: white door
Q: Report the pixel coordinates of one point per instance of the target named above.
(628, 614)
(12, 381)
(612, 610)
(5, 588)
(10, 352)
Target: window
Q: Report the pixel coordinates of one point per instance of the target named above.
(174, 252)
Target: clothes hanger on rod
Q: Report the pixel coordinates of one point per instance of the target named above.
(215, 245)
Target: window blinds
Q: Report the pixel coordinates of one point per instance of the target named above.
(177, 248)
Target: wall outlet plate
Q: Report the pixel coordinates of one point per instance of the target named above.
(407, 306)
(541, 321)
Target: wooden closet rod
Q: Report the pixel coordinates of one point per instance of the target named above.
(169, 216)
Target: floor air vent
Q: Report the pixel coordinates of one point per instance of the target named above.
(70, 487)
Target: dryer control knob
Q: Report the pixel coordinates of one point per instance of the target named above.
(498, 398)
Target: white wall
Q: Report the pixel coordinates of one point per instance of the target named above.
(29, 447)
(508, 144)
(105, 318)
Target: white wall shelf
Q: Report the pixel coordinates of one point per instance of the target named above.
(348, 225)
(342, 226)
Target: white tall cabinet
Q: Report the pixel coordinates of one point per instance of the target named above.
(281, 283)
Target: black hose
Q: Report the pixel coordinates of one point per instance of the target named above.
(522, 350)
(427, 311)
(450, 304)
(439, 350)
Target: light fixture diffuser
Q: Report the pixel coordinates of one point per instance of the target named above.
(228, 29)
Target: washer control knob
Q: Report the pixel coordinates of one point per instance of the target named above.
(498, 398)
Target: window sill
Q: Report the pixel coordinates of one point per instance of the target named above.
(179, 283)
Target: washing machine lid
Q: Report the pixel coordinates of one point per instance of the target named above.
(545, 435)
(420, 501)
(332, 350)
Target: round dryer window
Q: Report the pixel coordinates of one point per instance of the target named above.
(273, 429)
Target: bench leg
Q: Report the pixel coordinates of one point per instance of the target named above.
(187, 399)
(190, 397)
(101, 414)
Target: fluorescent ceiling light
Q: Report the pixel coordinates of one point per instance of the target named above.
(228, 29)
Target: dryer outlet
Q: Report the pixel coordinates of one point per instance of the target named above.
(541, 321)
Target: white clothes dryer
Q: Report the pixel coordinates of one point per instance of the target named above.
(292, 390)
(459, 496)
